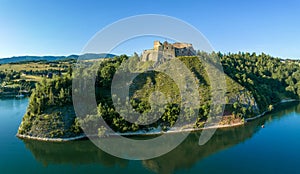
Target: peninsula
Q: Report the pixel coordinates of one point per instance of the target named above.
(255, 84)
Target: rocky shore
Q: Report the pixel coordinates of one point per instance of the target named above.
(155, 132)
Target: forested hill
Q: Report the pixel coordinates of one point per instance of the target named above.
(270, 79)
(254, 84)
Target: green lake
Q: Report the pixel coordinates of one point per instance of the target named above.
(244, 149)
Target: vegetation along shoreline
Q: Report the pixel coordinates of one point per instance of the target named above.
(80, 137)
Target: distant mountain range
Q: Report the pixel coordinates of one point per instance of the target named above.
(53, 58)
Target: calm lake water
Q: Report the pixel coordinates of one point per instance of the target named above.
(244, 149)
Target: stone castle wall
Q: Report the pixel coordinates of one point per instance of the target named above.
(163, 51)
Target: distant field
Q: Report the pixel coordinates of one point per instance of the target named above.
(32, 77)
(34, 66)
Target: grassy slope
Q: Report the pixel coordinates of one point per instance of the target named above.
(147, 82)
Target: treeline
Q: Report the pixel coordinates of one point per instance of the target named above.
(43, 72)
(56, 92)
(7, 76)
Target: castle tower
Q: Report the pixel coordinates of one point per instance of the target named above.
(157, 45)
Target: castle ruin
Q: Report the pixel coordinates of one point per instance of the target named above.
(164, 51)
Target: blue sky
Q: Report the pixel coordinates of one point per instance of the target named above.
(63, 27)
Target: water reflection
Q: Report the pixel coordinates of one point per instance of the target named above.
(75, 152)
(183, 157)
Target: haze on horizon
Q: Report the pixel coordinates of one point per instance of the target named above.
(64, 27)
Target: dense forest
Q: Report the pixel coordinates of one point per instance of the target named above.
(255, 83)
(269, 79)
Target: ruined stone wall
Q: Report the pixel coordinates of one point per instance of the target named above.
(166, 50)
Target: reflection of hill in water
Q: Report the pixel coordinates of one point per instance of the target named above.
(189, 152)
(184, 156)
(75, 152)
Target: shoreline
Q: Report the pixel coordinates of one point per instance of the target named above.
(140, 133)
(80, 137)
(265, 112)
(51, 139)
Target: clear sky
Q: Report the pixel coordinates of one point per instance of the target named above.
(63, 27)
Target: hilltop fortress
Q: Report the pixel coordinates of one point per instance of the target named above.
(163, 51)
